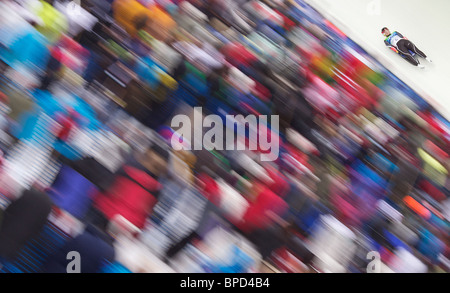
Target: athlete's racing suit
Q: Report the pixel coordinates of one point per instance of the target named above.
(401, 45)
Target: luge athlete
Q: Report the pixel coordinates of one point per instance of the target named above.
(401, 45)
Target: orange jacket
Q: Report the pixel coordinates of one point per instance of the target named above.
(159, 23)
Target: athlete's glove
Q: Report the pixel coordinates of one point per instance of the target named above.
(394, 49)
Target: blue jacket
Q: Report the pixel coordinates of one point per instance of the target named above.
(95, 248)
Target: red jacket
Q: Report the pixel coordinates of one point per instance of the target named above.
(67, 122)
(130, 198)
(237, 54)
(280, 185)
(256, 215)
(209, 188)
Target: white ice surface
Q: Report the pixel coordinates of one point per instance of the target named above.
(425, 23)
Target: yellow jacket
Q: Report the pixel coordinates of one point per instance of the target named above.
(159, 23)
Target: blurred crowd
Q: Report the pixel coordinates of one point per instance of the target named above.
(88, 89)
